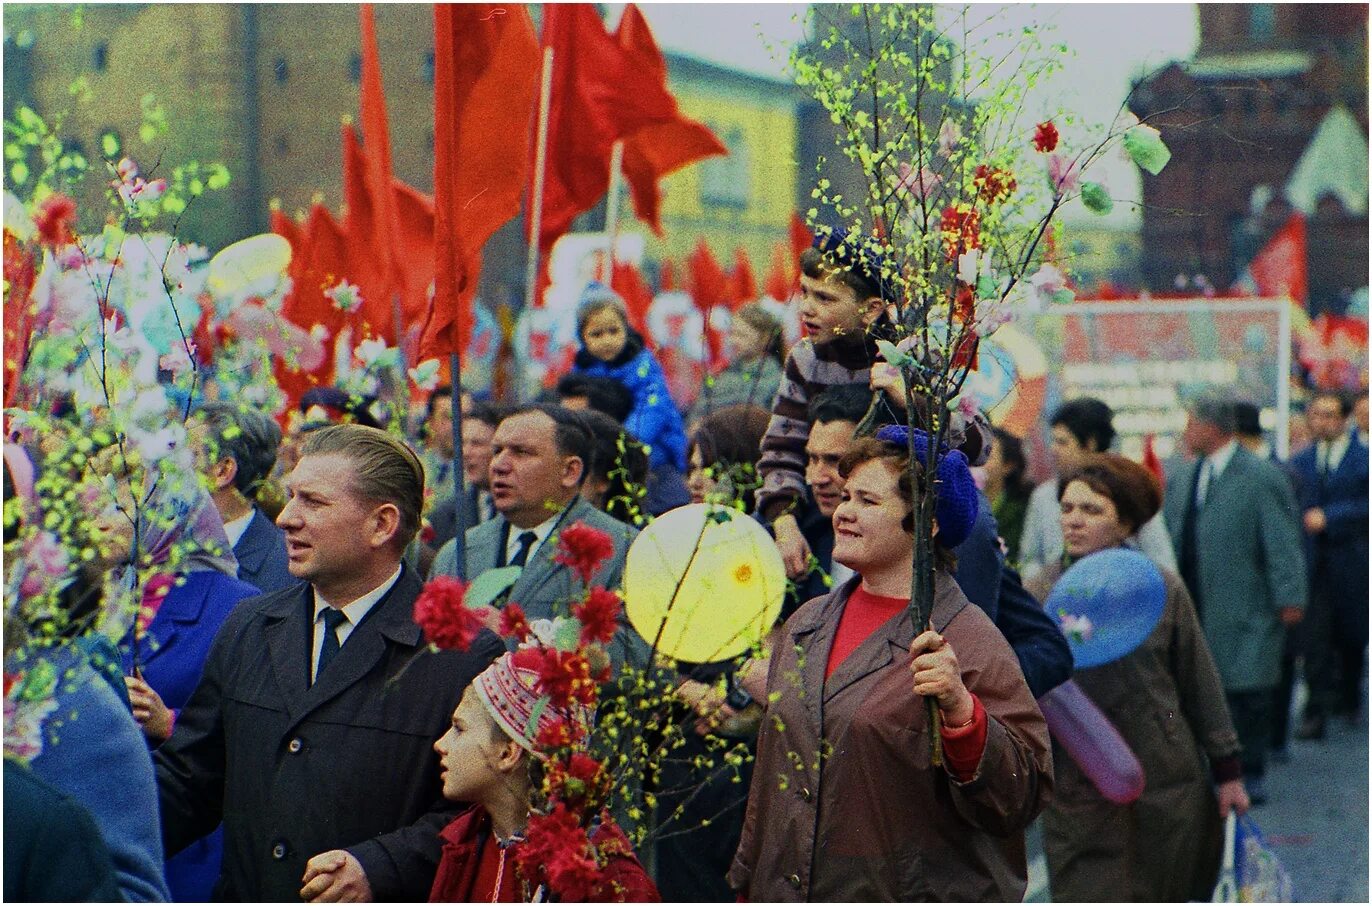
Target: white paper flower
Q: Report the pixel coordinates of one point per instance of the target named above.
(425, 375)
(346, 297)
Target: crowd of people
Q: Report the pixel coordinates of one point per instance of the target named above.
(280, 730)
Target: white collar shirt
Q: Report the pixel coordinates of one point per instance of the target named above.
(235, 528)
(541, 533)
(354, 613)
(1329, 453)
(1213, 466)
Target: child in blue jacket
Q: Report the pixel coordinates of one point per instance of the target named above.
(611, 348)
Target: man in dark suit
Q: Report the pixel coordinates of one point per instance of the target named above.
(1233, 522)
(236, 449)
(538, 464)
(473, 501)
(310, 732)
(1334, 515)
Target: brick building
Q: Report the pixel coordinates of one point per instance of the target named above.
(1266, 82)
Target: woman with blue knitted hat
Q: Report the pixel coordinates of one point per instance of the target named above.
(845, 803)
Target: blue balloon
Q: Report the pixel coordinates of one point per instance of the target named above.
(1106, 604)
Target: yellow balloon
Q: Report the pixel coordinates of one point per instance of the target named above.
(259, 259)
(708, 578)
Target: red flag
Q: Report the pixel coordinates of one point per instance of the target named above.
(486, 66)
(20, 275)
(1280, 268)
(1151, 462)
(666, 278)
(801, 237)
(779, 282)
(320, 266)
(708, 286)
(629, 283)
(662, 148)
(377, 133)
(600, 94)
(364, 263)
(742, 285)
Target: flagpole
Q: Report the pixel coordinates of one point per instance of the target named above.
(459, 476)
(540, 174)
(612, 208)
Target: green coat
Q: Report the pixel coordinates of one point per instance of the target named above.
(1250, 564)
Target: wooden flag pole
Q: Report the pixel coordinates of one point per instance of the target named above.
(540, 174)
(612, 209)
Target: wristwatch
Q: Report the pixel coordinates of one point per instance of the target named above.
(738, 697)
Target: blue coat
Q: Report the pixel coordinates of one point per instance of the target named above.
(94, 752)
(654, 419)
(261, 554)
(1337, 558)
(171, 655)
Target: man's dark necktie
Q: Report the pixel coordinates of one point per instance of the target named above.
(521, 554)
(333, 618)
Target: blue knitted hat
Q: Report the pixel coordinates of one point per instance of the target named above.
(956, 510)
(865, 262)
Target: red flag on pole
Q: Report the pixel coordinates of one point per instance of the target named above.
(708, 286)
(662, 148)
(629, 283)
(742, 284)
(323, 257)
(377, 136)
(801, 237)
(486, 65)
(1279, 269)
(666, 277)
(779, 281)
(365, 261)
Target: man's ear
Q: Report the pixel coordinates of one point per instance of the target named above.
(224, 472)
(871, 308)
(384, 524)
(572, 471)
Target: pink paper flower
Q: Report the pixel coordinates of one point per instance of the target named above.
(921, 184)
(1063, 174)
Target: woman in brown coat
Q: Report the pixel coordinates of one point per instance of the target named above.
(845, 804)
(1166, 700)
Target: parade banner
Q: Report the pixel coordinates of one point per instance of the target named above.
(1144, 359)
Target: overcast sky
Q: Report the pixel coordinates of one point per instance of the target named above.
(1111, 44)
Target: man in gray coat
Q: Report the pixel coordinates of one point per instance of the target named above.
(540, 456)
(310, 733)
(1239, 547)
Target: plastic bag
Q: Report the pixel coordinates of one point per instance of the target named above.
(1250, 872)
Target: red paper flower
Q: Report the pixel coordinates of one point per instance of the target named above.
(557, 851)
(440, 612)
(427, 533)
(994, 184)
(54, 219)
(961, 228)
(584, 549)
(563, 676)
(599, 615)
(1045, 137)
(514, 623)
(559, 734)
(581, 782)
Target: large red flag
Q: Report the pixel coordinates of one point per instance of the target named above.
(376, 133)
(364, 263)
(486, 65)
(600, 94)
(629, 283)
(1279, 269)
(661, 148)
(324, 255)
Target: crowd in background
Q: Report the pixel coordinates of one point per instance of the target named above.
(256, 777)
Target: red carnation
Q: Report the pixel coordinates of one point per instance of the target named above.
(563, 676)
(557, 851)
(558, 734)
(514, 623)
(581, 782)
(54, 219)
(1045, 137)
(994, 184)
(961, 228)
(447, 622)
(599, 615)
(584, 549)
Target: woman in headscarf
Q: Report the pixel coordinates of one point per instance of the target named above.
(1167, 701)
(846, 801)
(185, 582)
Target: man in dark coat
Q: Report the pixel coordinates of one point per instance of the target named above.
(1334, 513)
(53, 851)
(236, 449)
(310, 732)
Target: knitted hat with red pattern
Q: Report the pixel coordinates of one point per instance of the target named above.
(510, 694)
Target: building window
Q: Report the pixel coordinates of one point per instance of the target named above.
(281, 70)
(724, 181)
(1262, 21)
(355, 68)
(429, 68)
(283, 146)
(100, 58)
